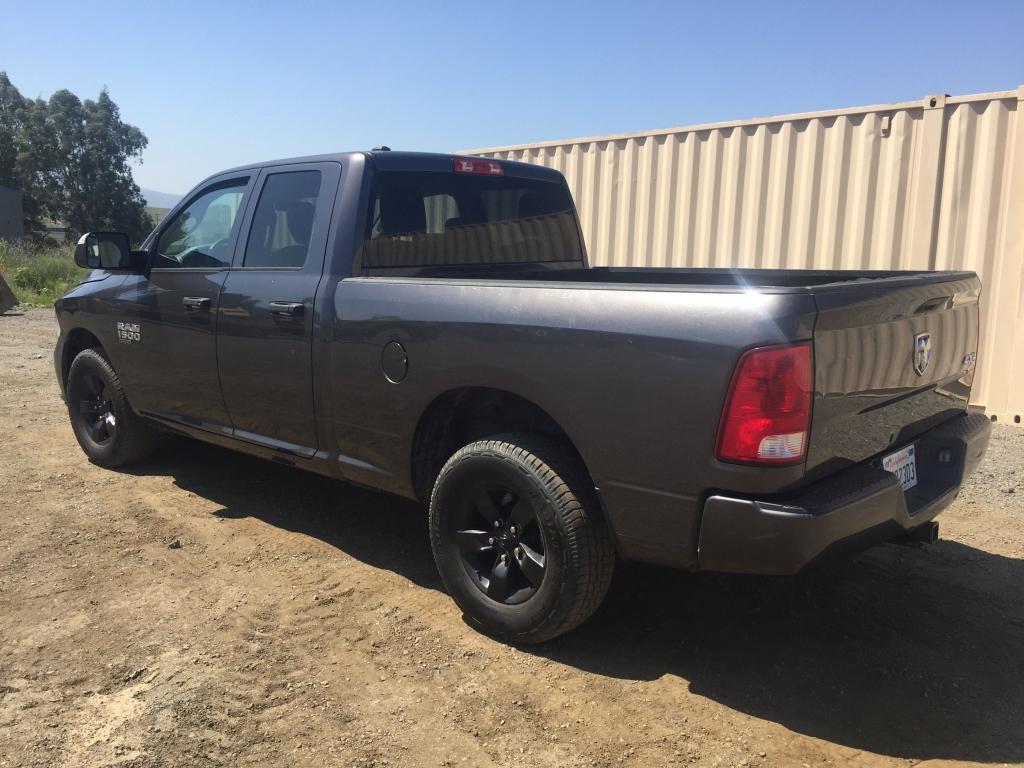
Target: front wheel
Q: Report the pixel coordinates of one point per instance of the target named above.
(106, 427)
(518, 537)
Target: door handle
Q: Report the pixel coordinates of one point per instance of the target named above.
(196, 303)
(287, 308)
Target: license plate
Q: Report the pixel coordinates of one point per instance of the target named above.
(903, 465)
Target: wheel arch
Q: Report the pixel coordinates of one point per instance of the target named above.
(460, 416)
(78, 340)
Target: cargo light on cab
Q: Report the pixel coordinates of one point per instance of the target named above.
(767, 414)
(478, 165)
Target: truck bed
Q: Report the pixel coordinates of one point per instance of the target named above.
(690, 278)
(868, 395)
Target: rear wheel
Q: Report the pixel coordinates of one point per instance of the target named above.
(518, 538)
(107, 429)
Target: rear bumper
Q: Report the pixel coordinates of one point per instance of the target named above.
(854, 508)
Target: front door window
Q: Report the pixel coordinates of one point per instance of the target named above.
(198, 236)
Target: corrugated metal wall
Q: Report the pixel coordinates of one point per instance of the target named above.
(935, 184)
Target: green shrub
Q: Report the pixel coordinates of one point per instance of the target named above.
(39, 271)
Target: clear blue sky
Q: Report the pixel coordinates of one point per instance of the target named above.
(215, 84)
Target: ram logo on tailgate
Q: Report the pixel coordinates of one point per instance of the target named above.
(922, 352)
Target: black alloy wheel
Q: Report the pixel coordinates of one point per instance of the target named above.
(501, 542)
(96, 410)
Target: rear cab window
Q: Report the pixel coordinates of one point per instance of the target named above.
(420, 219)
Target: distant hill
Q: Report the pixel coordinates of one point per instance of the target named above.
(157, 214)
(160, 199)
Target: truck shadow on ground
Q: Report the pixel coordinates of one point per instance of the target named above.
(910, 653)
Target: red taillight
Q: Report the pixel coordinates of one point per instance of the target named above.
(478, 165)
(767, 414)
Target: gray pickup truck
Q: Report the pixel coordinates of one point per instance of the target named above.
(428, 325)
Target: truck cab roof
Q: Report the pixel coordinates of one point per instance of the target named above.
(389, 160)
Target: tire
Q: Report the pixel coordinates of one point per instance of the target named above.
(480, 494)
(110, 433)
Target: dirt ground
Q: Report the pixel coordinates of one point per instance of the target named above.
(211, 609)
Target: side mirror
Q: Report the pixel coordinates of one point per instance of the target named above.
(108, 250)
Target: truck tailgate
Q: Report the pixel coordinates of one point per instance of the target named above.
(893, 357)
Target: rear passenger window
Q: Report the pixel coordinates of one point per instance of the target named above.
(283, 223)
(428, 219)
